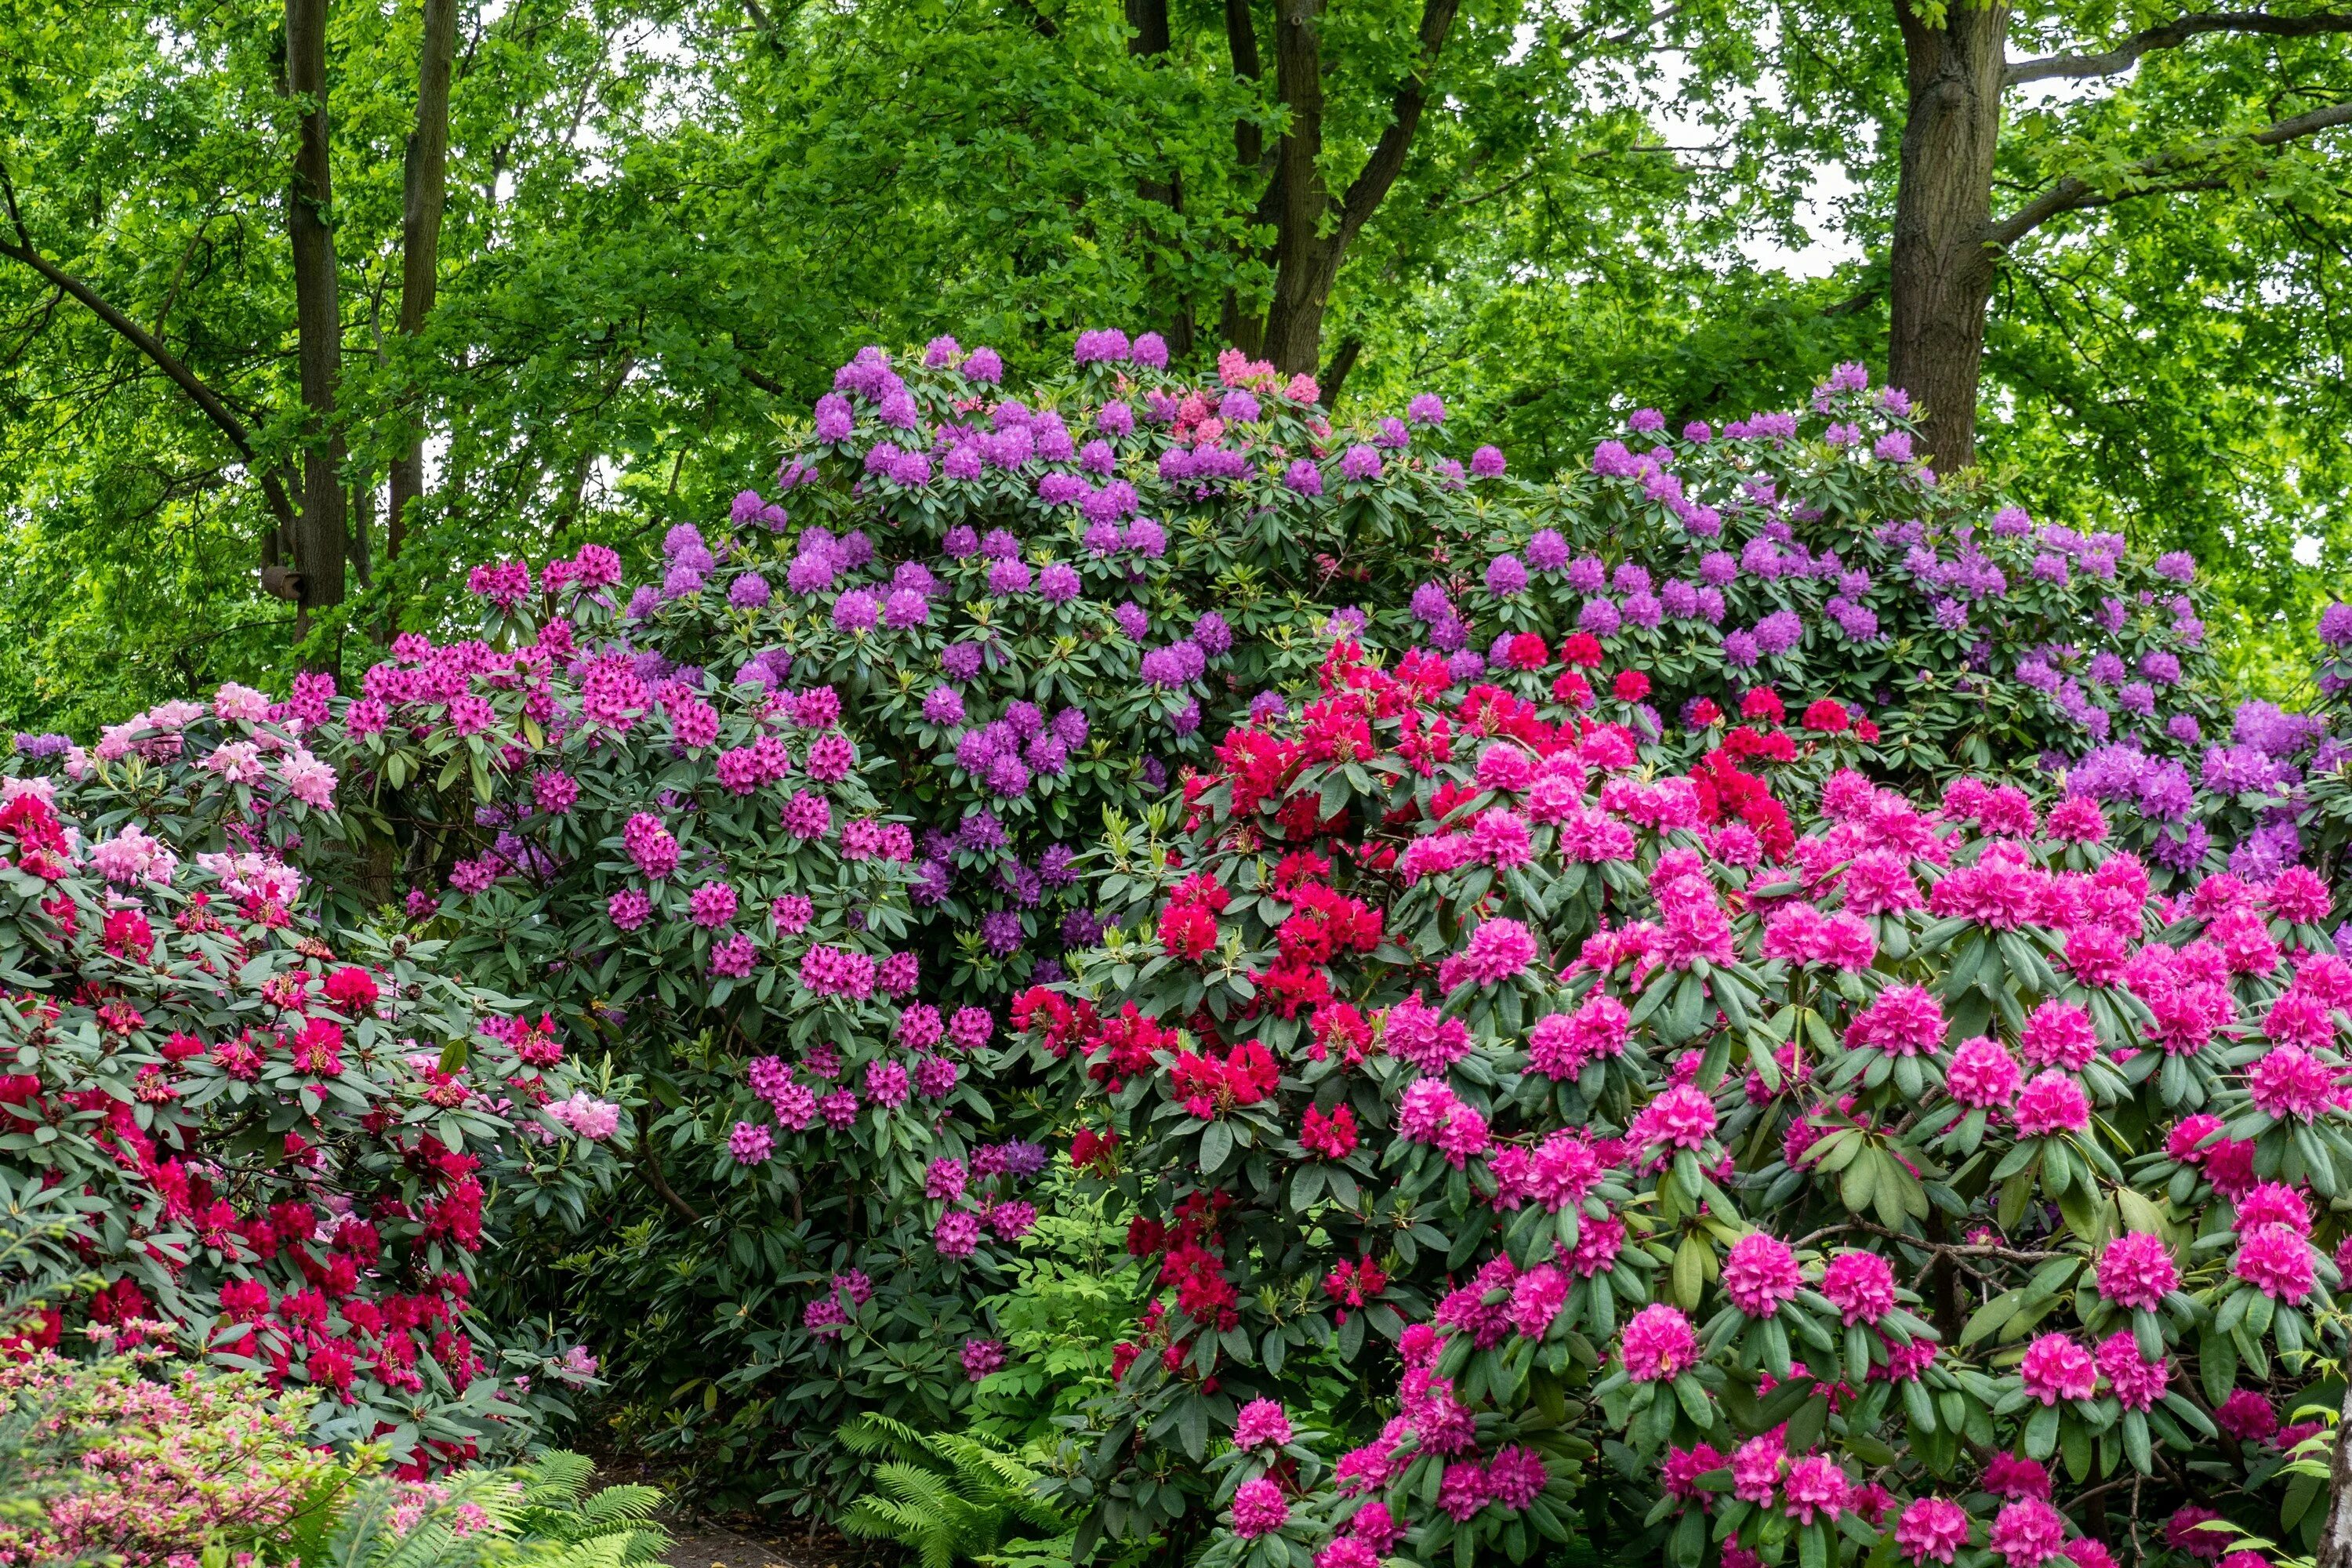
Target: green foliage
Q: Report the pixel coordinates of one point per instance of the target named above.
(946, 1497)
(1072, 1294)
(652, 252)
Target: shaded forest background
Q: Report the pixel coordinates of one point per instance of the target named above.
(304, 308)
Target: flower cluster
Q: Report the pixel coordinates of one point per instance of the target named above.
(1774, 1053)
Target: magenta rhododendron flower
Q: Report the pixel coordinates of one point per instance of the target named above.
(1757, 1467)
(2137, 1271)
(1901, 1021)
(2276, 1260)
(1932, 1529)
(2137, 1382)
(1659, 1343)
(2291, 1082)
(1759, 1274)
(1815, 1489)
(2052, 1103)
(1860, 1285)
(2056, 1368)
(1261, 1423)
(1982, 1074)
(1259, 1509)
(2027, 1533)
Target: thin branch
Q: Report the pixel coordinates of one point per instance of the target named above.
(146, 342)
(2171, 34)
(1039, 22)
(1640, 30)
(2074, 194)
(650, 1163)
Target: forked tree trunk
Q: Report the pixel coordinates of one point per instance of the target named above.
(425, 194)
(1942, 269)
(320, 533)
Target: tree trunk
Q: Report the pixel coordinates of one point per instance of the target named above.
(362, 516)
(1150, 40)
(1334, 379)
(2335, 1548)
(1247, 334)
(1942, 269)
(319, 532)
(425, 181)
(1294, 323)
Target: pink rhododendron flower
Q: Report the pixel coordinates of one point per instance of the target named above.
(2276, 1260)
(1932, 1528)
(1860, 1285)
(2137, 1271)
(1759, 1274)
(2053, 1102)
(1981, 1074)
(1659, 1343)
(2056, 1368)
(2028, 1533)
(1259, 1509)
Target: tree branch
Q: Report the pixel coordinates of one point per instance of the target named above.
(2156, 176)
(2171, 34)
(650, 1163)
(147, 343)
(1387, 162)
(1039, 22)
(1854, 302)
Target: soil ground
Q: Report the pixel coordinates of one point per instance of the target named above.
(702, 1543)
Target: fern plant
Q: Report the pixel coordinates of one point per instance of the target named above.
(537, 1515)
(558, 1509)
(946, 1497)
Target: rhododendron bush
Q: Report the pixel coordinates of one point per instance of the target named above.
(287, 1151)
(1032, 607)
(700, 882)
(1812, 1170)
(1536, 1026)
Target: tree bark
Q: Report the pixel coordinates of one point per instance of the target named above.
(320, 534)
(1149, 39)
(425, 194)
(2335, 1550)
(1246, 333)
(1294, 323)
(1941, 267)
(1334, 379)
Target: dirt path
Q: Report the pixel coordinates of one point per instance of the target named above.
(706, 1544)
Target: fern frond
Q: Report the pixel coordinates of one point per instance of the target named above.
(624, 1504)
(555, 1476)
(868, 1433)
